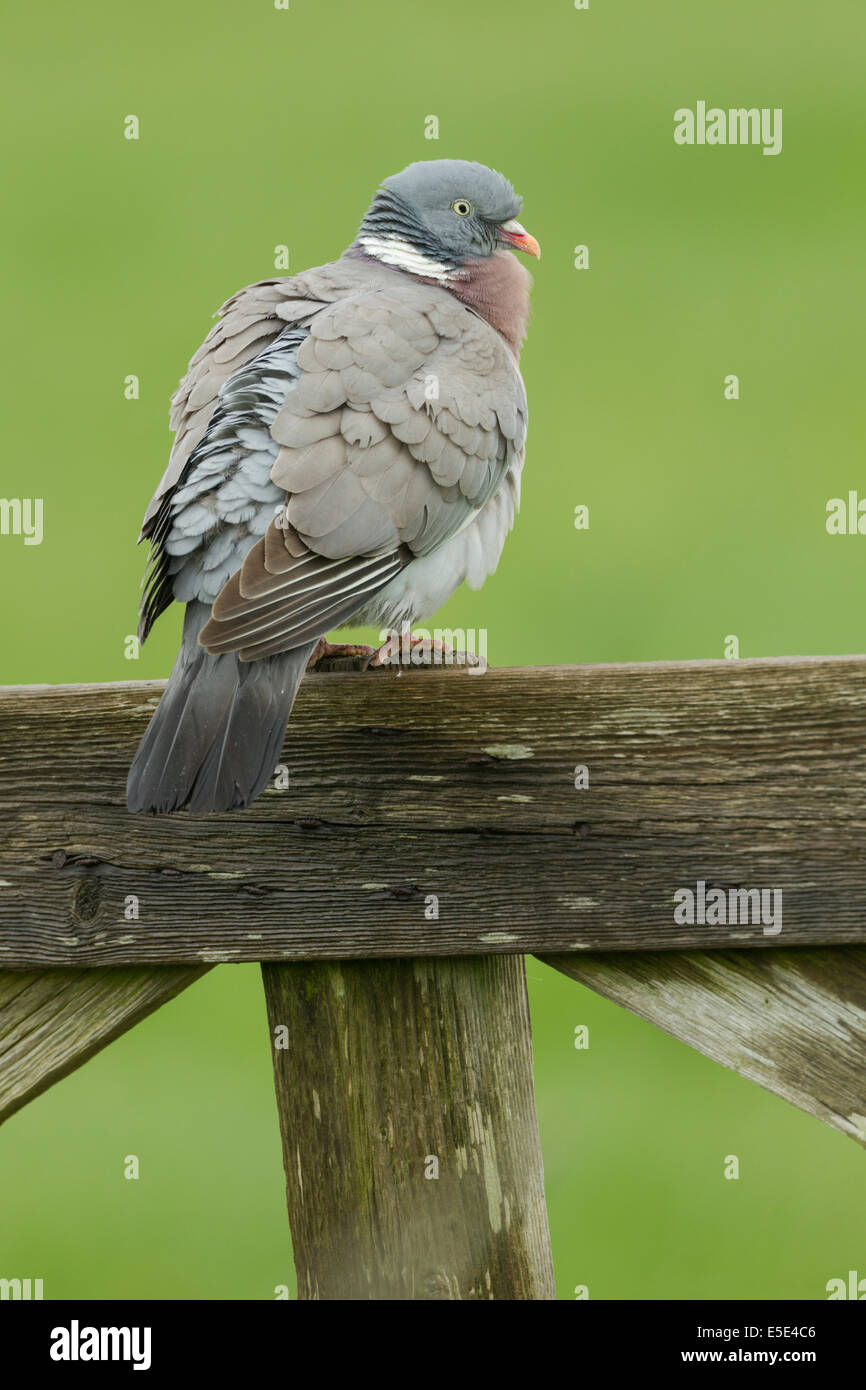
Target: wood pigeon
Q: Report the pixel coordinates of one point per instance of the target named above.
(348, 449)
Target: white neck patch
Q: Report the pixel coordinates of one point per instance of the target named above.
(394, 251)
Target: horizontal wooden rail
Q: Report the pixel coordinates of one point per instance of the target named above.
(450, 793)
(435, 812)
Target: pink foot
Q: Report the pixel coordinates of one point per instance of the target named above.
(408, 649)
(340, 656)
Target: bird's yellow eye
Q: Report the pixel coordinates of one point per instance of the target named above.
(461, 207)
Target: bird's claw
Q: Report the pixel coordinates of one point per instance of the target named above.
(411, 649)
(340, 656)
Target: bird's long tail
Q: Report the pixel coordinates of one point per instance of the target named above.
(216, 735)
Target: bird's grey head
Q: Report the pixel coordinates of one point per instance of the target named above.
(440, 214)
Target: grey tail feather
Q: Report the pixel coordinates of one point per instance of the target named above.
(216, 735)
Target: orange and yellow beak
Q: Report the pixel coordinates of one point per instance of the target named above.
(512, 234)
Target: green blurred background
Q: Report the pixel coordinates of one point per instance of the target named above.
(261, 127)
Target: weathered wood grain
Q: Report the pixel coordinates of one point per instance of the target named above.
(453, 786)
(52, 1021)
(410, 1139)
(793, 1021)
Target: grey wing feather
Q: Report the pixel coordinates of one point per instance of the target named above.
(224, 500)
(409, 437)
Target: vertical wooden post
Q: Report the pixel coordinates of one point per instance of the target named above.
(410, 1138)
